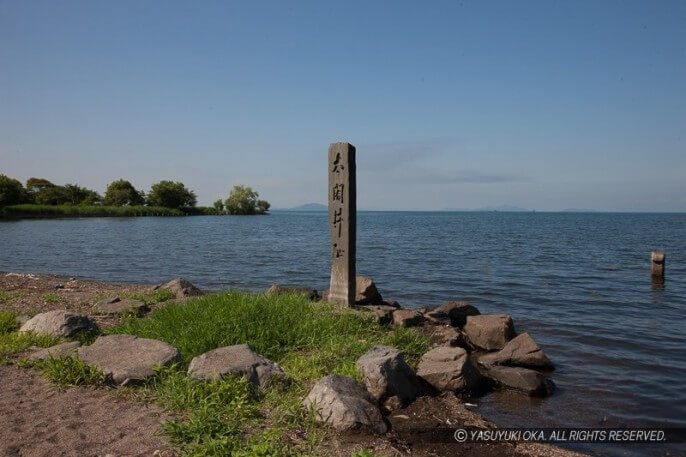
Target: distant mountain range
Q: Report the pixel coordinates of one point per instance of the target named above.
(307, 207)
(503, 208)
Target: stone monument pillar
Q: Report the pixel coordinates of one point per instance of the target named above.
(343, 222)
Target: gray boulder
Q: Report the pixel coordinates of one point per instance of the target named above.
(388, 377)
(126, 358)
(449, 369)
(489, 331)
(457, 312)
(448, 336)
(60, 324)
(276, 289)
(182, 289)
(520, 351)
(524, 380)
(57, 351)
(238, 360)
(119, 306)
(345, 404)
(366, 292)
(407, 317)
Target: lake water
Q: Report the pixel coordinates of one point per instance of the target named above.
(579, 283)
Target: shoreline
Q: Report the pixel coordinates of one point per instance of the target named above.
(32, 293)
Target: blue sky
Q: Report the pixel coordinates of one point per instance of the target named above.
(546, 105)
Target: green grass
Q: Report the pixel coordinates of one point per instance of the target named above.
(13, 342)
(51, 298)
(70, 372)
(7, 296)
(30, 210)
(309, 340)
(8, 321)
(152, 298)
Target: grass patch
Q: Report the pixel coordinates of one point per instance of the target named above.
(6, 296)
(152, 298)
(287, 329)
(309, 340)
(30, 210)
(8, 321)
(70, 371)
(14, 342)
(51, 298)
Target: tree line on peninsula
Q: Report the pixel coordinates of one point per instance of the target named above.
(40, 197)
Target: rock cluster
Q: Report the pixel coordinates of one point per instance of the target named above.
(469, 349)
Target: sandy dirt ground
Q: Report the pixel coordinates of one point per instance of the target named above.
(36, 419)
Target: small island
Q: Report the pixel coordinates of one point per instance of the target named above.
(40, 198)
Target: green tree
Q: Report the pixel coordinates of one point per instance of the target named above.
(80, 195)
(122, 193)
(171, 194)
(263, 206)
(12, 192)
(244, 201)
(219, 205)
(43, 192)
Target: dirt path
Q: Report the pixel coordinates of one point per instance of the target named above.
(37, 419)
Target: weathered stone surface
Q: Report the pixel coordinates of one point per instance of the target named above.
(127, 358)
(520, 351)
(342, 222)
(391, 303)
(181, 288)
(57, 351)
(407, 317)
(524, 380)
(238, 360)
(448, 336)
(22, 319)
(489, 331)
(119, 306)
(437, 317)
(366, 292)
(382, 314)
(60, 324)
(456, 312)
(387, 375)
(310, 294)
(449, 369)
(345, 404)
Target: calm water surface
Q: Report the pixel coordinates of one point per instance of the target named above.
(579, 283)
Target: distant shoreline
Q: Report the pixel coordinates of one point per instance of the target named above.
(30, 211)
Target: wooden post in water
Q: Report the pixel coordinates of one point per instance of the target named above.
(343, 222)
(657, 259)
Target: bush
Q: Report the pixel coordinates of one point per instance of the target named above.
(122, 193)
(12, 192)
(244, 201)
(169, 194)
(43, 192)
